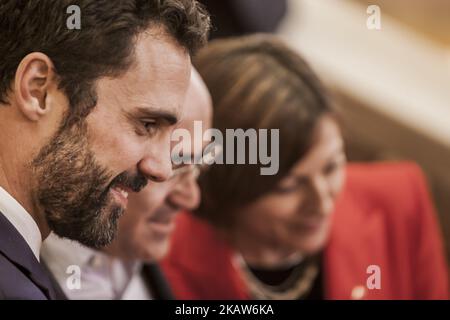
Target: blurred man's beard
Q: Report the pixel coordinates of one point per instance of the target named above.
(74, 190)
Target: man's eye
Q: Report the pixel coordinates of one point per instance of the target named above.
(150, 126)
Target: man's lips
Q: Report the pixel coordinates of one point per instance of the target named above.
(121, 195)
(163, 223)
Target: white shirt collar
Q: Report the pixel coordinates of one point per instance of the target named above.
(102, 276)
(22, 221)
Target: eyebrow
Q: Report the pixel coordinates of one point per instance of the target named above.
(171, 118)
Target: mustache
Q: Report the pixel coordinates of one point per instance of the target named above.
(135, 182)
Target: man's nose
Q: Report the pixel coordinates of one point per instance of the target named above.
(157, 166)
(185, 194)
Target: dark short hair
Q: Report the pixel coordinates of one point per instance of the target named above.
(257, 82)
(102, 47)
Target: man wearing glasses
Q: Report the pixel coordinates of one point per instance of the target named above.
(127, 268)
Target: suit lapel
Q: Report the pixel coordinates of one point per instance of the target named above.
(16, 250)
(59, 293)
(156, 282)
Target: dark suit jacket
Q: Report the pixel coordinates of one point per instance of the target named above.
(156, 282)
(21, 275)
(153, 277)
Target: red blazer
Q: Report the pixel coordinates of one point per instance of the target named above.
(383, 217)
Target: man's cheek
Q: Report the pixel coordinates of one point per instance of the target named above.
(123, 154)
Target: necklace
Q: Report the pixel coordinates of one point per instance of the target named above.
(297, 285)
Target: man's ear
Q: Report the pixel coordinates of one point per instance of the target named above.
(33, 78)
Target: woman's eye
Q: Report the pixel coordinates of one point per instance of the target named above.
(291, 186)
(286, 189)
(334, 166)
(330, 168)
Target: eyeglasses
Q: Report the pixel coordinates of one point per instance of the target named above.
(192, 169)
(199, 166)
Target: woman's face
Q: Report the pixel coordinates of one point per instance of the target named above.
(295, 215)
